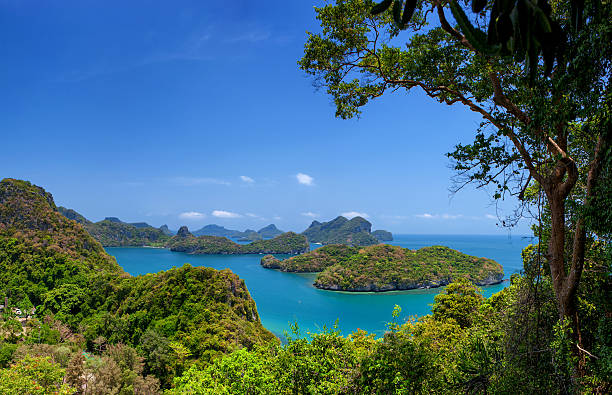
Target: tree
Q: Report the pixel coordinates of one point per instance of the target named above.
(553, 132)
(33, 375)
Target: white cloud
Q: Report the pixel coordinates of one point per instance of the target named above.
(277, 218)
(439, 216)
(309, 214)
(191, 181)
(225, 214)
(395, 217)
(353, 214)
(426, 215)
(191, 215)
(489, 216)
(251, 215)
(247, 179)
(304, 179)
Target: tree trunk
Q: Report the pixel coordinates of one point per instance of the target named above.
(556, 255)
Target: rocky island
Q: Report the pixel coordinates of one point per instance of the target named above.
(286, 243)
(388, 268)
(356, 231)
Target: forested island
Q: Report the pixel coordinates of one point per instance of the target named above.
(286, 243)
(356, 231)
(388, 268)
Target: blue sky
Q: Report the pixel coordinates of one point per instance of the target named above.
(195, 112)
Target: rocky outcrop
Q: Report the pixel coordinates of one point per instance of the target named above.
(184, 232)
(382, 235)
(270, 262)
(342, 231)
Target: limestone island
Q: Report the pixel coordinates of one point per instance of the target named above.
(385, 267)
(286, 243)
(356, 231)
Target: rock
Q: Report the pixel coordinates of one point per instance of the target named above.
(184, 232)
(270, 262)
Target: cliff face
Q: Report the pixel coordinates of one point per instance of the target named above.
(341, 231)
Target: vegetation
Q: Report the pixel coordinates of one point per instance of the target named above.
(267, 232)
(469, 344)
(286, 243)
(389, 268)
(120, 234)
(547, 129)
(382, 235)
(112, 232)
(314, 261)
(85, 301)
(341, 231)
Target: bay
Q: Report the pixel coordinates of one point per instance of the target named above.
(286, 298)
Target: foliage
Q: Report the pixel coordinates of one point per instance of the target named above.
(384, 267)
(83, 298)
(119, 234)
(35, 376)
(468, 345)
(286, 243)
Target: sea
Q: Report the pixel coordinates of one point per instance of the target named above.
(285, 299)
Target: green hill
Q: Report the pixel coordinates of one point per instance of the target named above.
(286, 243)
(52, 263)
(341, 231)
(112, 232)
(120, 234)
(388, 268)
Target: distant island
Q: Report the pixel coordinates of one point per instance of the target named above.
(356, 231)
(286, 243)
(388, 268)
(267, 232)
(112, 232)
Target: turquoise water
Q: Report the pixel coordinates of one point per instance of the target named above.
(284, 298)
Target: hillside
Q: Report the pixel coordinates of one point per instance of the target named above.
(112, 232)
(286, 243)
(50, 262)
(388, 268)
(340, 230)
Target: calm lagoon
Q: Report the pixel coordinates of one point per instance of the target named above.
(285, 298)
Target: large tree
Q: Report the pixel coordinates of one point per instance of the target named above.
(550, 129)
